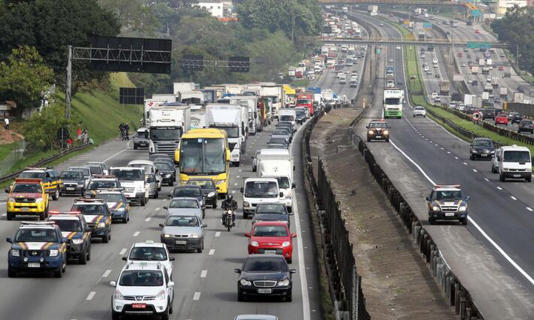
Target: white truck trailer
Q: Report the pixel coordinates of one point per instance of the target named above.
(167, 123)
(229, 117)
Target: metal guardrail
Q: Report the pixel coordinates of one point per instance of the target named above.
(44, 161)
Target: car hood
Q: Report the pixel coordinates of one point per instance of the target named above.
(185, 211)
(482, 148)
(450, 202)
(140, 291)
(181, 230)
(93, 218)
(270, 241)
(271, 217)
(275, 275)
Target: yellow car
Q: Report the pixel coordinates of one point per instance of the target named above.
(27, 197)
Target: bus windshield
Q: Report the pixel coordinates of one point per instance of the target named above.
(202, 156)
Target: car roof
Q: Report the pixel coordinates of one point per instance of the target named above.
(141, 162)
(185, 198)
(149, 243)
(255, 317)
(448, 187)
(514, 148)
(261, 180)
(37, 225)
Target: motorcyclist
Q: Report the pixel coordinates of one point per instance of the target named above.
(229, 204)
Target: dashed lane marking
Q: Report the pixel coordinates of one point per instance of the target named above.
(513, 198)
(148, 219)
(136, 233)
(203, 273)
(212, 252)
(530, 209)
(196, 296)
(123, 251)
(486, 179)
(217, 234)
(106, 273)
(499, 188)
(90, 296)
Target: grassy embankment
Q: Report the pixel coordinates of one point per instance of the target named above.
(99, 111)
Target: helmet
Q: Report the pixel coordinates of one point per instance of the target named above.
(229, 197)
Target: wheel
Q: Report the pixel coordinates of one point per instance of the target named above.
(289, 297)
(55, 196)
(229, 227)
(215, 204)
(59, 272)
(431, 220)
(493, 169)
(471, 157)
(171, 183)
(11, 273)
(240, 296)
(368, 139)
(529, 178)
(463, 221)
(83, 257)
(245, 215)
(135, 147)
(156, 195)
(502, 178)
(115, 315)
(290, 260)
(42, 216)
(10, 216)
(203, 214)
(199, 249)
(89, 253)
(106, 237)
(143, 202)
(387, 140)
(165, 314)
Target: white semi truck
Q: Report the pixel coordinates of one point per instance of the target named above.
(167, 123)
(277, 163)
(229, 117)
(393, 102)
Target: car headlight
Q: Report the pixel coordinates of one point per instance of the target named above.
(246, 204)
(220, 182)
(168, 175)
(77, 241)
(245, 283)
(386, 132)
(166, 235)
(462, 208)
(283, 283)
(435, 208)
(54, 252)
(15, 252)
(194, 235)
(101, 225)
(211, 194)
(371, 132)
(254, 243)
(474, 151)
(161, 295)
(285, 244)
(38, 200)
(118, 295)
(120, 209)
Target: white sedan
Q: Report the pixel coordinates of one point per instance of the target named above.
(419, 111)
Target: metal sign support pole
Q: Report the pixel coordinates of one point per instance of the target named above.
(68, 98)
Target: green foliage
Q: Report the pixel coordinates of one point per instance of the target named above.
(51, 25)
(23, 76)
(41, 129)
(517, 30)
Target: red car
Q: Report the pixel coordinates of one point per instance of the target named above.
(477, 31)
(271, 237)
(501, 118)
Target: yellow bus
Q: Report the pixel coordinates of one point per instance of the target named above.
(204, 153)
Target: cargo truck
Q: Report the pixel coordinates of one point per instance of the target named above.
(503, 92)
(444, 87)
(228, 117)
(167, 123)
(393, 102)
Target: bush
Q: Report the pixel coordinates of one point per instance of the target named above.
(41, 130)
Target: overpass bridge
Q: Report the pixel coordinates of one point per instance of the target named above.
(433, 42)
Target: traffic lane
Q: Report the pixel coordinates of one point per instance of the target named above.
(505, 220)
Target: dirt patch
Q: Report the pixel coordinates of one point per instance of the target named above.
(9, 136)
(395, 280)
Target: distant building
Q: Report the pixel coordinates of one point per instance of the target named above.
(215, 8)
(504, 5)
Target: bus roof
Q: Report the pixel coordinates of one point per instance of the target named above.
(204, 133)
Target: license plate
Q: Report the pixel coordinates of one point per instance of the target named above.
(449, 214)
(378, 137)
(484, 155)
(71, 188)
(34, 265)
(270, 251)
(25, 209)
(264, 291)
(181, 242)
(516, 175)
(139, 306)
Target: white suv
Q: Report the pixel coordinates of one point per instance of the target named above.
(150, 251)
(143, 288)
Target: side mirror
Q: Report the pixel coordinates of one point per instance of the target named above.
(125, 258)
(292, 271)
(293, 186)
(113, 283)
(247, 235)
(467, 198)
(170, 284)
(242, 190)
(293, 235)
(237, 271)
(166, 208)
(281, 195)
(367, 127)
(8, 239)
(172, 258)
(162, 225)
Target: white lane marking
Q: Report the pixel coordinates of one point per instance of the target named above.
(486, 179)
(136, 233)
(196, 296)
(513, 198)
(442, 148)
(114, 155)
(217, 234)
(473, 222)
(123, 251)
(157, 209)
(212, 252)
(237, 176)
(499, 188)
(475, 170)
(530, 209)
(448, 152)
(465, 163)
(233, 191)
(203, 273)
(106, 273)
(148, 219)
(90, 296)
(455, 157)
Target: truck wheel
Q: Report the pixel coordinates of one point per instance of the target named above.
(135, 147)
(431, 220)
(463, 221)
(83, 257)
(11, 273)
(115, 315)
(10, 216)
(143, 202)
(529, 178)
(59, 272)
(106, 237)
(502, 178)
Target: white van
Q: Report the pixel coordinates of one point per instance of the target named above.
(289, 115)
(275, 163)
(258, 190)
(513, 162)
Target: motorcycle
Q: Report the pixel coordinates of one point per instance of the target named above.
(228, 220)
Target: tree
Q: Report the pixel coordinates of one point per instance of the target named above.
(41, 130)
(23, 76)
(51, 25)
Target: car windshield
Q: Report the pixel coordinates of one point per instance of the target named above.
(265, 265)
(448, 195)
(165, 134)
(232, 132)
(378, 125)
(261, 189)
(147, 167)
(33, 175)
(182, 221)
(270, 231)
(203, 184)
(419, 108)
(85, 171)
(270, 208)
(526, 123)
(111, 197)
(70, 225)
(301, 113)
(283, 182)
(183, 203)
(141, 278)
(187, 192)
(142, 134)
(163, 166)
(96, 170)
(90, 209)
(516, 156)
(286, 118)
(102, 184)
(148, 253)
(27, 188)
(36, 235)
(483, 143)
(71, 175)
(129, 175)
(278, 140)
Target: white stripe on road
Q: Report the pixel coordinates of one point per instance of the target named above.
(473, 222)
(123, 251)
(106, 273)
(475, 170)
(499, 188)
(486, 179)
(212, 252)
(157, 209)
(90, 296)
(530, 209)
(513, 198)
(148, 219)
(217, 234)
(196, 296)
(203, 273)
(136, 233)
(114, 155)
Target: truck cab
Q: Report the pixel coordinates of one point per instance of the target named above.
(229, 117)
(133, 181)
(27, 197)
(259, 190)
(166, 124)
(277, 163)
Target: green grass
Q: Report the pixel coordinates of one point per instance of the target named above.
(5, 149)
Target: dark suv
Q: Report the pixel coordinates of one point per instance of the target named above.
(525, 126)
(481, 148)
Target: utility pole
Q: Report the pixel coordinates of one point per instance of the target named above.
(517, 56)
(68, 98)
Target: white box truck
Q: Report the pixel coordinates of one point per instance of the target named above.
(167, 124)
(277, 163)
(179, 87)
(229, 117)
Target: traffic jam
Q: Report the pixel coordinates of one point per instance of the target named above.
(192, 157)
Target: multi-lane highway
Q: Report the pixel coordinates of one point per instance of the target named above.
(205, 283)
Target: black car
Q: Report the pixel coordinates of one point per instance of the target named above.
(481, 148)
(209, 190)
(515, 118)
(160, 157)
(167, 171)
(378, 130)
(73, 183)
(189, 191)
(264, 276)
(525, 126)
(140, 139)
(281, 141)
(301, 116)
(488, 113)
(271, 212)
